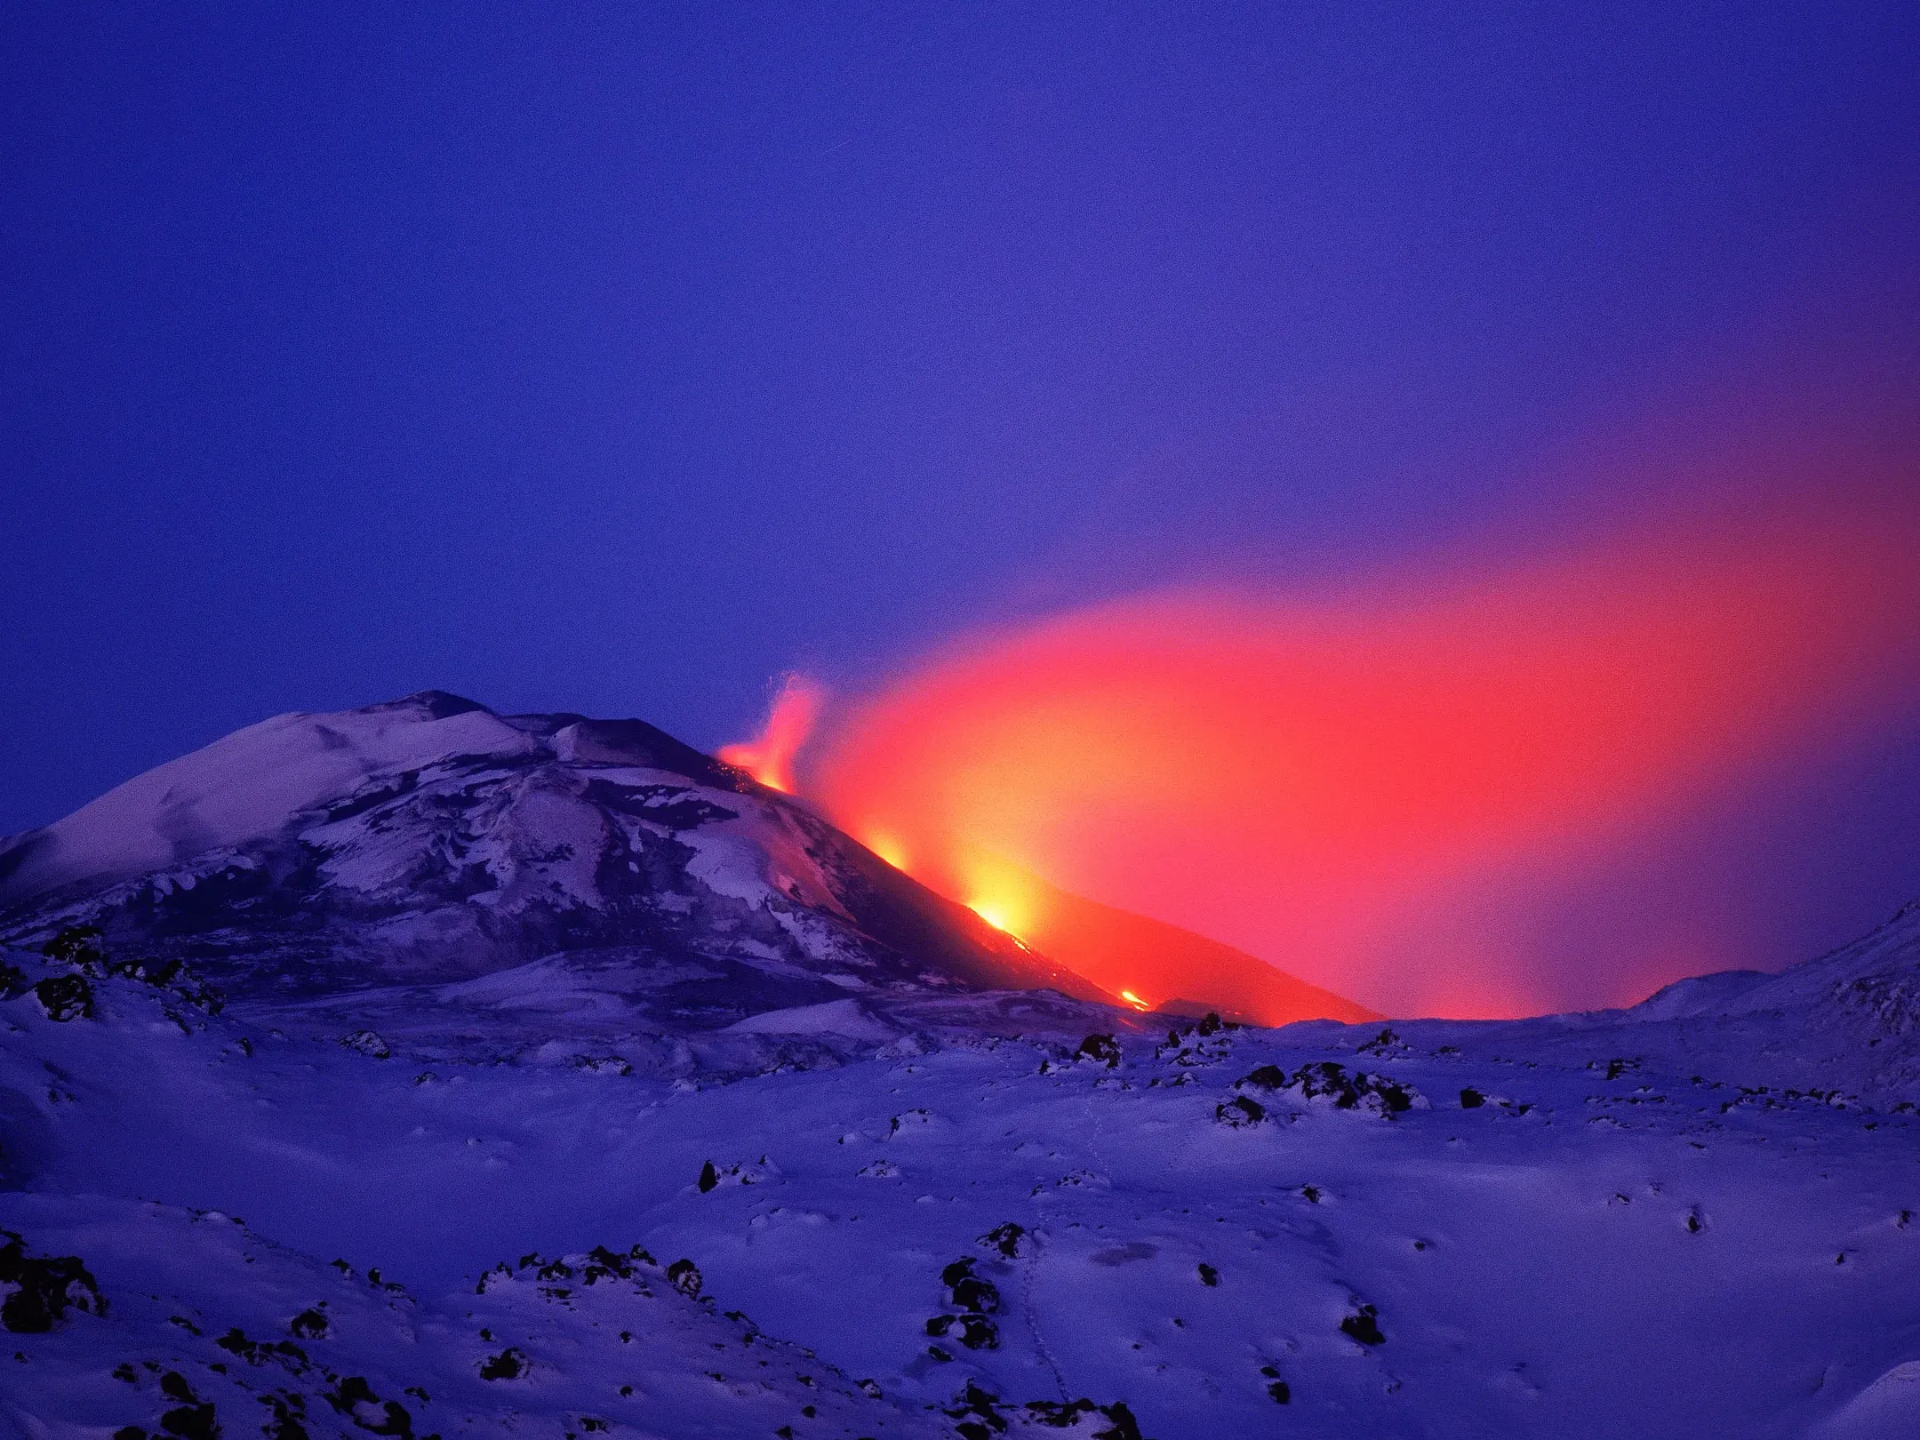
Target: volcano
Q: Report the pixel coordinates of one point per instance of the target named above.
(430, 841)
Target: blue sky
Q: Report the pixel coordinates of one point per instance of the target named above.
(617, 358)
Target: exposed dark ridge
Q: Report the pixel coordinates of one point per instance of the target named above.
(1199, 1009)
(634, 742)
(543, 725)
(15, 850)
(440, 704)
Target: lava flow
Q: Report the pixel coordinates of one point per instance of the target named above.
(768, 757)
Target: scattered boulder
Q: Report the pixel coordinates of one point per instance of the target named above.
(354, 1398)
(1101, 1049)
(259, 1352)
(289, 1411)
(976, 1298)
(1356, 1091)
(1379, 1044)
(1240, 1112)
(603, 1264)
(741, 1172)
(603, 1064)
(309, 1324)
(596, 1265)
(1059, 1414)
(970, 1292)
(1265, 1077)
(1205, 1044)
(979, 1333)
(980, 1415)
(509, 1364)
(82, 946)
(1364, 1325)
(977, 1412)
(65, 997)
(1007, 1239)
(1327, 1079)
(369, 1043)
(193, 1418)
(684, 1276)
(43, 1290)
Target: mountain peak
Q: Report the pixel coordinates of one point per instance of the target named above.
(431, 840)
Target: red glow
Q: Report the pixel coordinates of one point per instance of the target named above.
(768, 757)
(1314, 781)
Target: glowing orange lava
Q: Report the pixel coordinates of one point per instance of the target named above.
(889, 849)
(769, 756)
(993, 914)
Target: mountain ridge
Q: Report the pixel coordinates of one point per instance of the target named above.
(430, 839)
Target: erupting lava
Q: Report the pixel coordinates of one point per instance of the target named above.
(1336, 785)
(769, 756)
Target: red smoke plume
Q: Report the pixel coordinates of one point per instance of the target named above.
(768, 757)
(1326, 783)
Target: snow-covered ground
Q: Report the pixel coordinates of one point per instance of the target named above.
(570, 1084)
(1557, 1235)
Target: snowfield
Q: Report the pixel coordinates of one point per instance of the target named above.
(1557, 1234)
(764, 1146)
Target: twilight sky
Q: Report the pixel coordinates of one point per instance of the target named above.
(619, 359)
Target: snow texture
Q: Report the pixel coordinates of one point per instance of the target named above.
(430, 840)
(750, 1179)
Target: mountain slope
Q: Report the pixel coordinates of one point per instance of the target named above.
(1846, 1021)
(1874, 975)
(429, 840)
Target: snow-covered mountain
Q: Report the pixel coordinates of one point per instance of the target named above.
(1847, 1021)
(1871, 980)
(429, 840)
